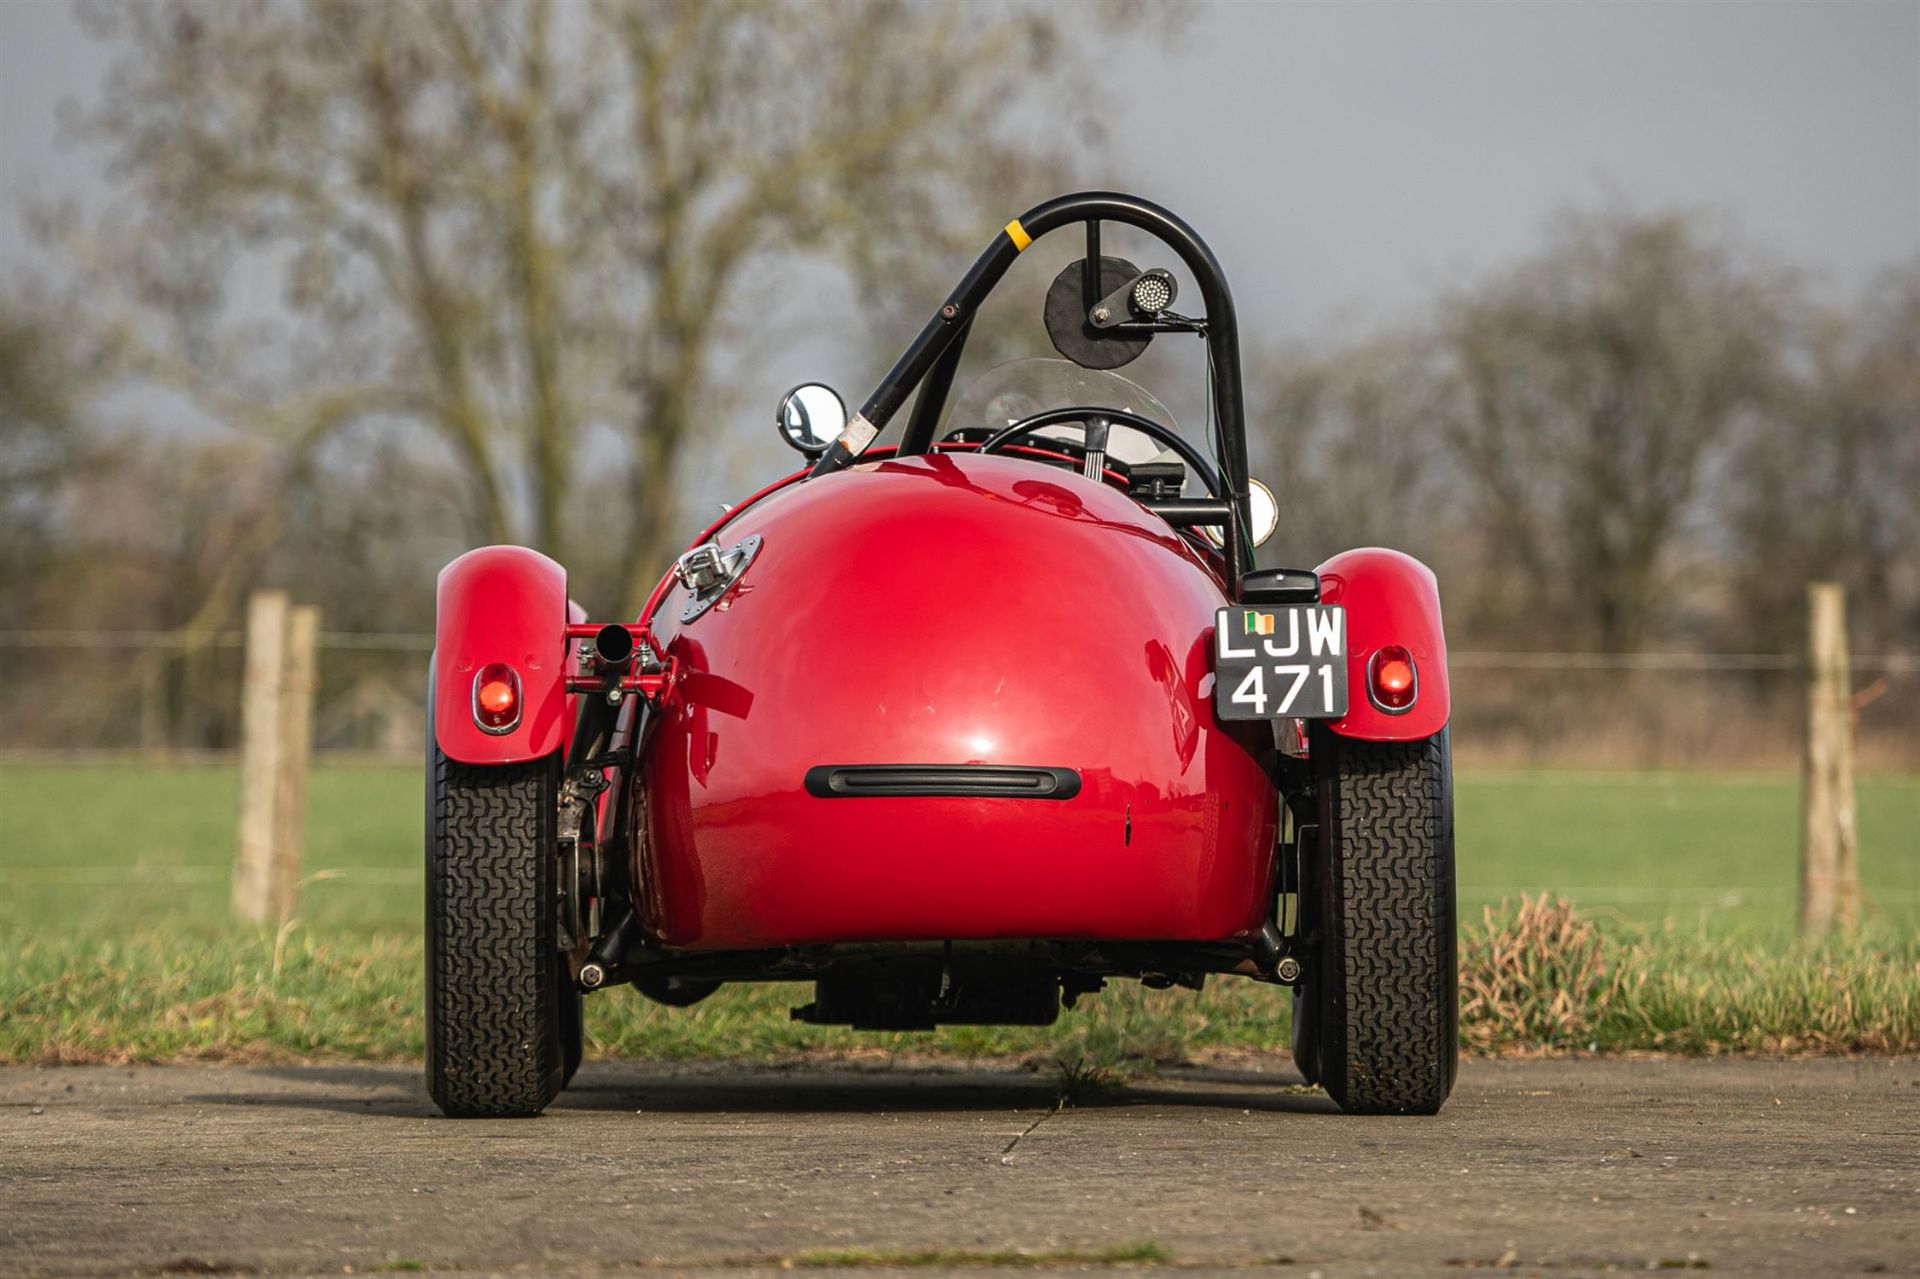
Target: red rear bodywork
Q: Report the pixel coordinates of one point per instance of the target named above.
(506, 605)
(940, 610)
(1390, 598)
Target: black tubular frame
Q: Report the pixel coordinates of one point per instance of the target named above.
(939, 343)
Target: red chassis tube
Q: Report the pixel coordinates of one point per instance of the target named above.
(1390, 598)
(502, 604)
(650, 686)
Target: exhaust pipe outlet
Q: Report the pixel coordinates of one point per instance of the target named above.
(613, 650)
(608, 657)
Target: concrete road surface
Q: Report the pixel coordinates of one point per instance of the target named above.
(1809, 1167)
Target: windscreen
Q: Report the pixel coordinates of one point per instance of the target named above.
(1018, 389)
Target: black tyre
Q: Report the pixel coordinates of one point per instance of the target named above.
(495, 1046)
(1377, 1022)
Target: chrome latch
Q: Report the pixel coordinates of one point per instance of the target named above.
(709, 572)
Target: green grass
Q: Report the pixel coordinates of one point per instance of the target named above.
(162, 994)
(101, 846)
(115, 942)
(95, 847)
(1717, 851)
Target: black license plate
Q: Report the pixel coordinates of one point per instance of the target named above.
(1280, 663)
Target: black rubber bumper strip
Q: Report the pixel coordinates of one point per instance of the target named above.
(976, 781)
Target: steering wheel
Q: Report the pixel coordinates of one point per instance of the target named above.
(1197, 462)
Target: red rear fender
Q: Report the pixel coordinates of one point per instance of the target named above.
(501, 604)
(1390, 598)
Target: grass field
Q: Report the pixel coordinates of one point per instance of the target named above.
(107, 846)
(115, 943)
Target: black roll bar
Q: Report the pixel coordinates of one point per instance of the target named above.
(952, 321)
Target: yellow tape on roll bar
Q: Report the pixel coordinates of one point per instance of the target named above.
(1018, 234)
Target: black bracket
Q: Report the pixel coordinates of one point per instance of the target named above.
(1280, 586)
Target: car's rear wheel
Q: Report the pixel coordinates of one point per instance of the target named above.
(1377, 1019)
(496, 1044)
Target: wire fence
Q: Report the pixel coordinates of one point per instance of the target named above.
(1485, 659)
(351, 641)
(92, 692)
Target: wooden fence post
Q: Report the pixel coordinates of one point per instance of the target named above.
(276, 718)
(296, 744)
(261, 689)
(1829, 845)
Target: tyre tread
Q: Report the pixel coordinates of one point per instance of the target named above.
(493, 1047)
(1396, 902)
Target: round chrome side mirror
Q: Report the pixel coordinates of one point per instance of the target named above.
(811, 418)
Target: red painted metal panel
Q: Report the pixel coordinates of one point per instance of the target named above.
(953, 610)
(1390, 598)
(501, 604)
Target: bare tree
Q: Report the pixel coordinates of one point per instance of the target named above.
(1828, 487)
(1594, 385)
(45, 380)
(526, 227)
(1349, 442)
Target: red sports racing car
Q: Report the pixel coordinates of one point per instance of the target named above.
(959, 729)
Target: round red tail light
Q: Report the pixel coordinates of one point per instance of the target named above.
(496, 697)
(1393, 681)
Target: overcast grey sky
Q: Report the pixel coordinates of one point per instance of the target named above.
(1396, 144)
(1344, 159)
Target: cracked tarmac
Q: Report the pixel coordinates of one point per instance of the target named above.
(1739, 1166)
